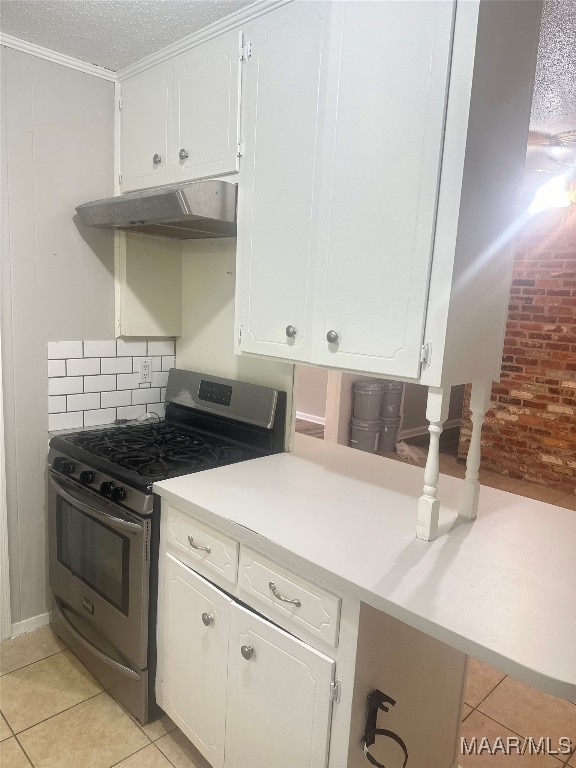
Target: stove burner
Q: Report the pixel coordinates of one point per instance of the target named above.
(157, 450)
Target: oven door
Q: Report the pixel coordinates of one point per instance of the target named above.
(99, 567)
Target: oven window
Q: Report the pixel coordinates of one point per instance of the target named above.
(95, 553)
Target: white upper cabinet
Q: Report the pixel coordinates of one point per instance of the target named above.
(206, 103)
(384, 156)
(180, 120)
(343, 123)
(146, 129)
(381, 163)
(278, 197)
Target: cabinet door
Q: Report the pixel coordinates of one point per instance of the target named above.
(279, 702)
(206, 108)
(278, 196)
(196, 631)
(386, 101)
(146, 129)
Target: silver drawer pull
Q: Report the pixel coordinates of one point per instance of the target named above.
(198, 546)
(278, 596)
(207, 619)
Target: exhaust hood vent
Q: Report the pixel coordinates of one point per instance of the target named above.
(192, 211)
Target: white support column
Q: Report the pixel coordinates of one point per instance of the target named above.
(428, 504)
(479, 402)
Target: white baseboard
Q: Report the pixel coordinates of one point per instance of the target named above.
(311, 417)
(418, 431)
(28, 625)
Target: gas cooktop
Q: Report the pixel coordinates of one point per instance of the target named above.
(209, 422)
(158, 450)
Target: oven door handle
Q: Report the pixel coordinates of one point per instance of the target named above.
(125, 670)
(111, 520)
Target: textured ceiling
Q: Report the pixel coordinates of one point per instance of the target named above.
(110, 33)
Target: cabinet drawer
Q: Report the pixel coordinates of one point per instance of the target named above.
(201, 547)
(318, 611)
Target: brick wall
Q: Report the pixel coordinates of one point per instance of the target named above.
(530, 429)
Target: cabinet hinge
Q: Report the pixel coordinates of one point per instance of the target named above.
(120, 101)
(119, 178)
(246, 52)
(240, 149)
(239, 334)
(426, 354)
(335, 690)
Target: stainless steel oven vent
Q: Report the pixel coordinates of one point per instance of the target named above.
(195, 210)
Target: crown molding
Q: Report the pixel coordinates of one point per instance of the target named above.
(57, 58)
(258, 8)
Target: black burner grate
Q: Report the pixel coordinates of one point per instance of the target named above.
(157, 450)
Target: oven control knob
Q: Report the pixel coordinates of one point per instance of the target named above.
(118, 494)
(57, 463)
(86, 478)
(67, 467)
(106, 488)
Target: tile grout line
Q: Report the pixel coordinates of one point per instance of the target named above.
(45, 720)
(23, 750)
(36, 661)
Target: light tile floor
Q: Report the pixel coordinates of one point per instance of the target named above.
(54, 714)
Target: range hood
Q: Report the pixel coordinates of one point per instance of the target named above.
(191, 211)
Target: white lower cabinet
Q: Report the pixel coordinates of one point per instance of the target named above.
(246, 693)
(196, 627)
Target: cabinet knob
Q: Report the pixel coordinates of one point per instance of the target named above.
(183, 155)
(247, 651)
(332, 337)
(291, 331)
(207, 619)
(157, 159)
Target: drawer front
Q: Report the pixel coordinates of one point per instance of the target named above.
(312, 609)
(206, 550)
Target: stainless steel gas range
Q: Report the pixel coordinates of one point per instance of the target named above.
(104, 518)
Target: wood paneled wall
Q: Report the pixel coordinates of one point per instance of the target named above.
(57, 278)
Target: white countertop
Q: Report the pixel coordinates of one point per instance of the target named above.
(501, 588)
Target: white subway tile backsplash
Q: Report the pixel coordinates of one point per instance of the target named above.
(99, 383)
(114, 399)
(126, 348)
(127, 381)
(56, 368)
(164, 347)
(58, 350)
(65, 385)
(158, 408)
(159, 378)
(140, 396)
(73, 420)
(56, 403)
(131, 412)
(95, 382)
(83, 402)
(102, 416)
(86, 367)
(117, 365)
(100, 348)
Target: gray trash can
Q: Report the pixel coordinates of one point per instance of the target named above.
(388, 434)
(368, 400)
(364, 435)
(392, 399)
